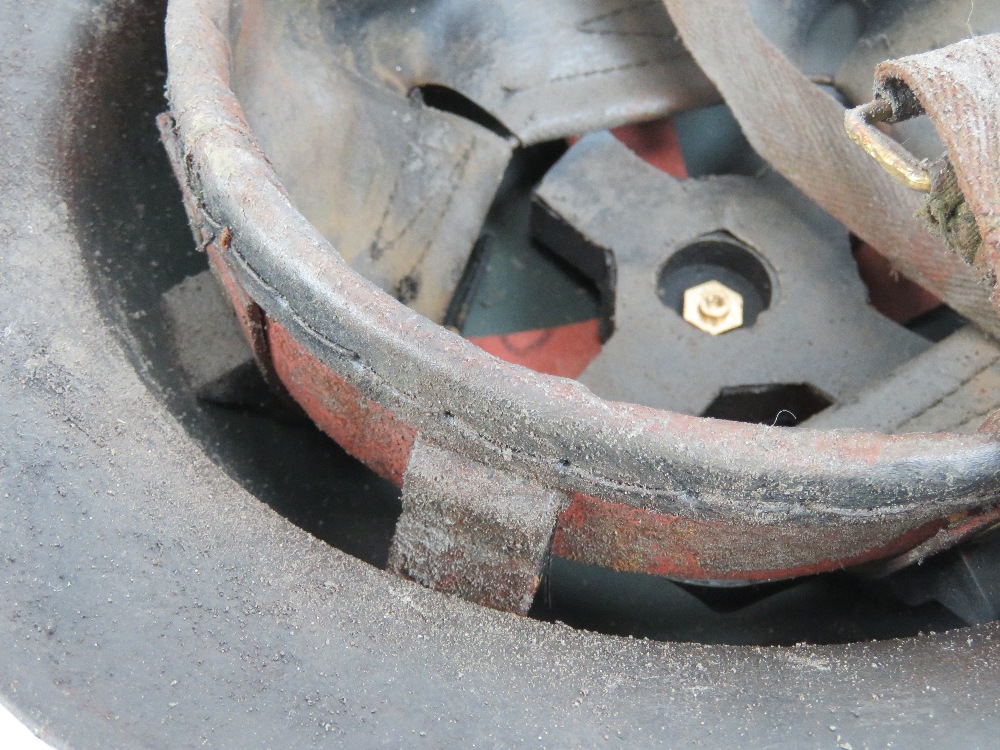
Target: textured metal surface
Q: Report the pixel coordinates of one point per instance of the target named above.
(815, 327)
(624, 538)
(366, 429)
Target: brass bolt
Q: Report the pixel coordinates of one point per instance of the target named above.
(713, 307)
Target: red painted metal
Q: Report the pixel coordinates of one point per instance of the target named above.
(656, 143)
(631, 539)
(595, 531)
(368, 431)
(893, 295)
(564, 350)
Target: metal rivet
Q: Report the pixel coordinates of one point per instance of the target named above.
(713, 307)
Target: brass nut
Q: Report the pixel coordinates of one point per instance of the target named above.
(713, 307)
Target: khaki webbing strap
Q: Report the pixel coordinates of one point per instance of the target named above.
(799, 129)
(958, 88)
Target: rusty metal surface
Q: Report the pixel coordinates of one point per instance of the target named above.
(473, 530)
(277, 639)
(814, 327)
(547, 430)
(630, 539)
(588, 530)
(365, 429)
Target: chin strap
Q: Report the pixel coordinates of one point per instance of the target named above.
(958, 88)
(799, 129)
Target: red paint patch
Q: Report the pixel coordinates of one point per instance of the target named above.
(656, 144)
(622, 537)
(565, 351)
(893, 295)
(368, 431)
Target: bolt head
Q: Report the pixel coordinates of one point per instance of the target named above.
(713, 307)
